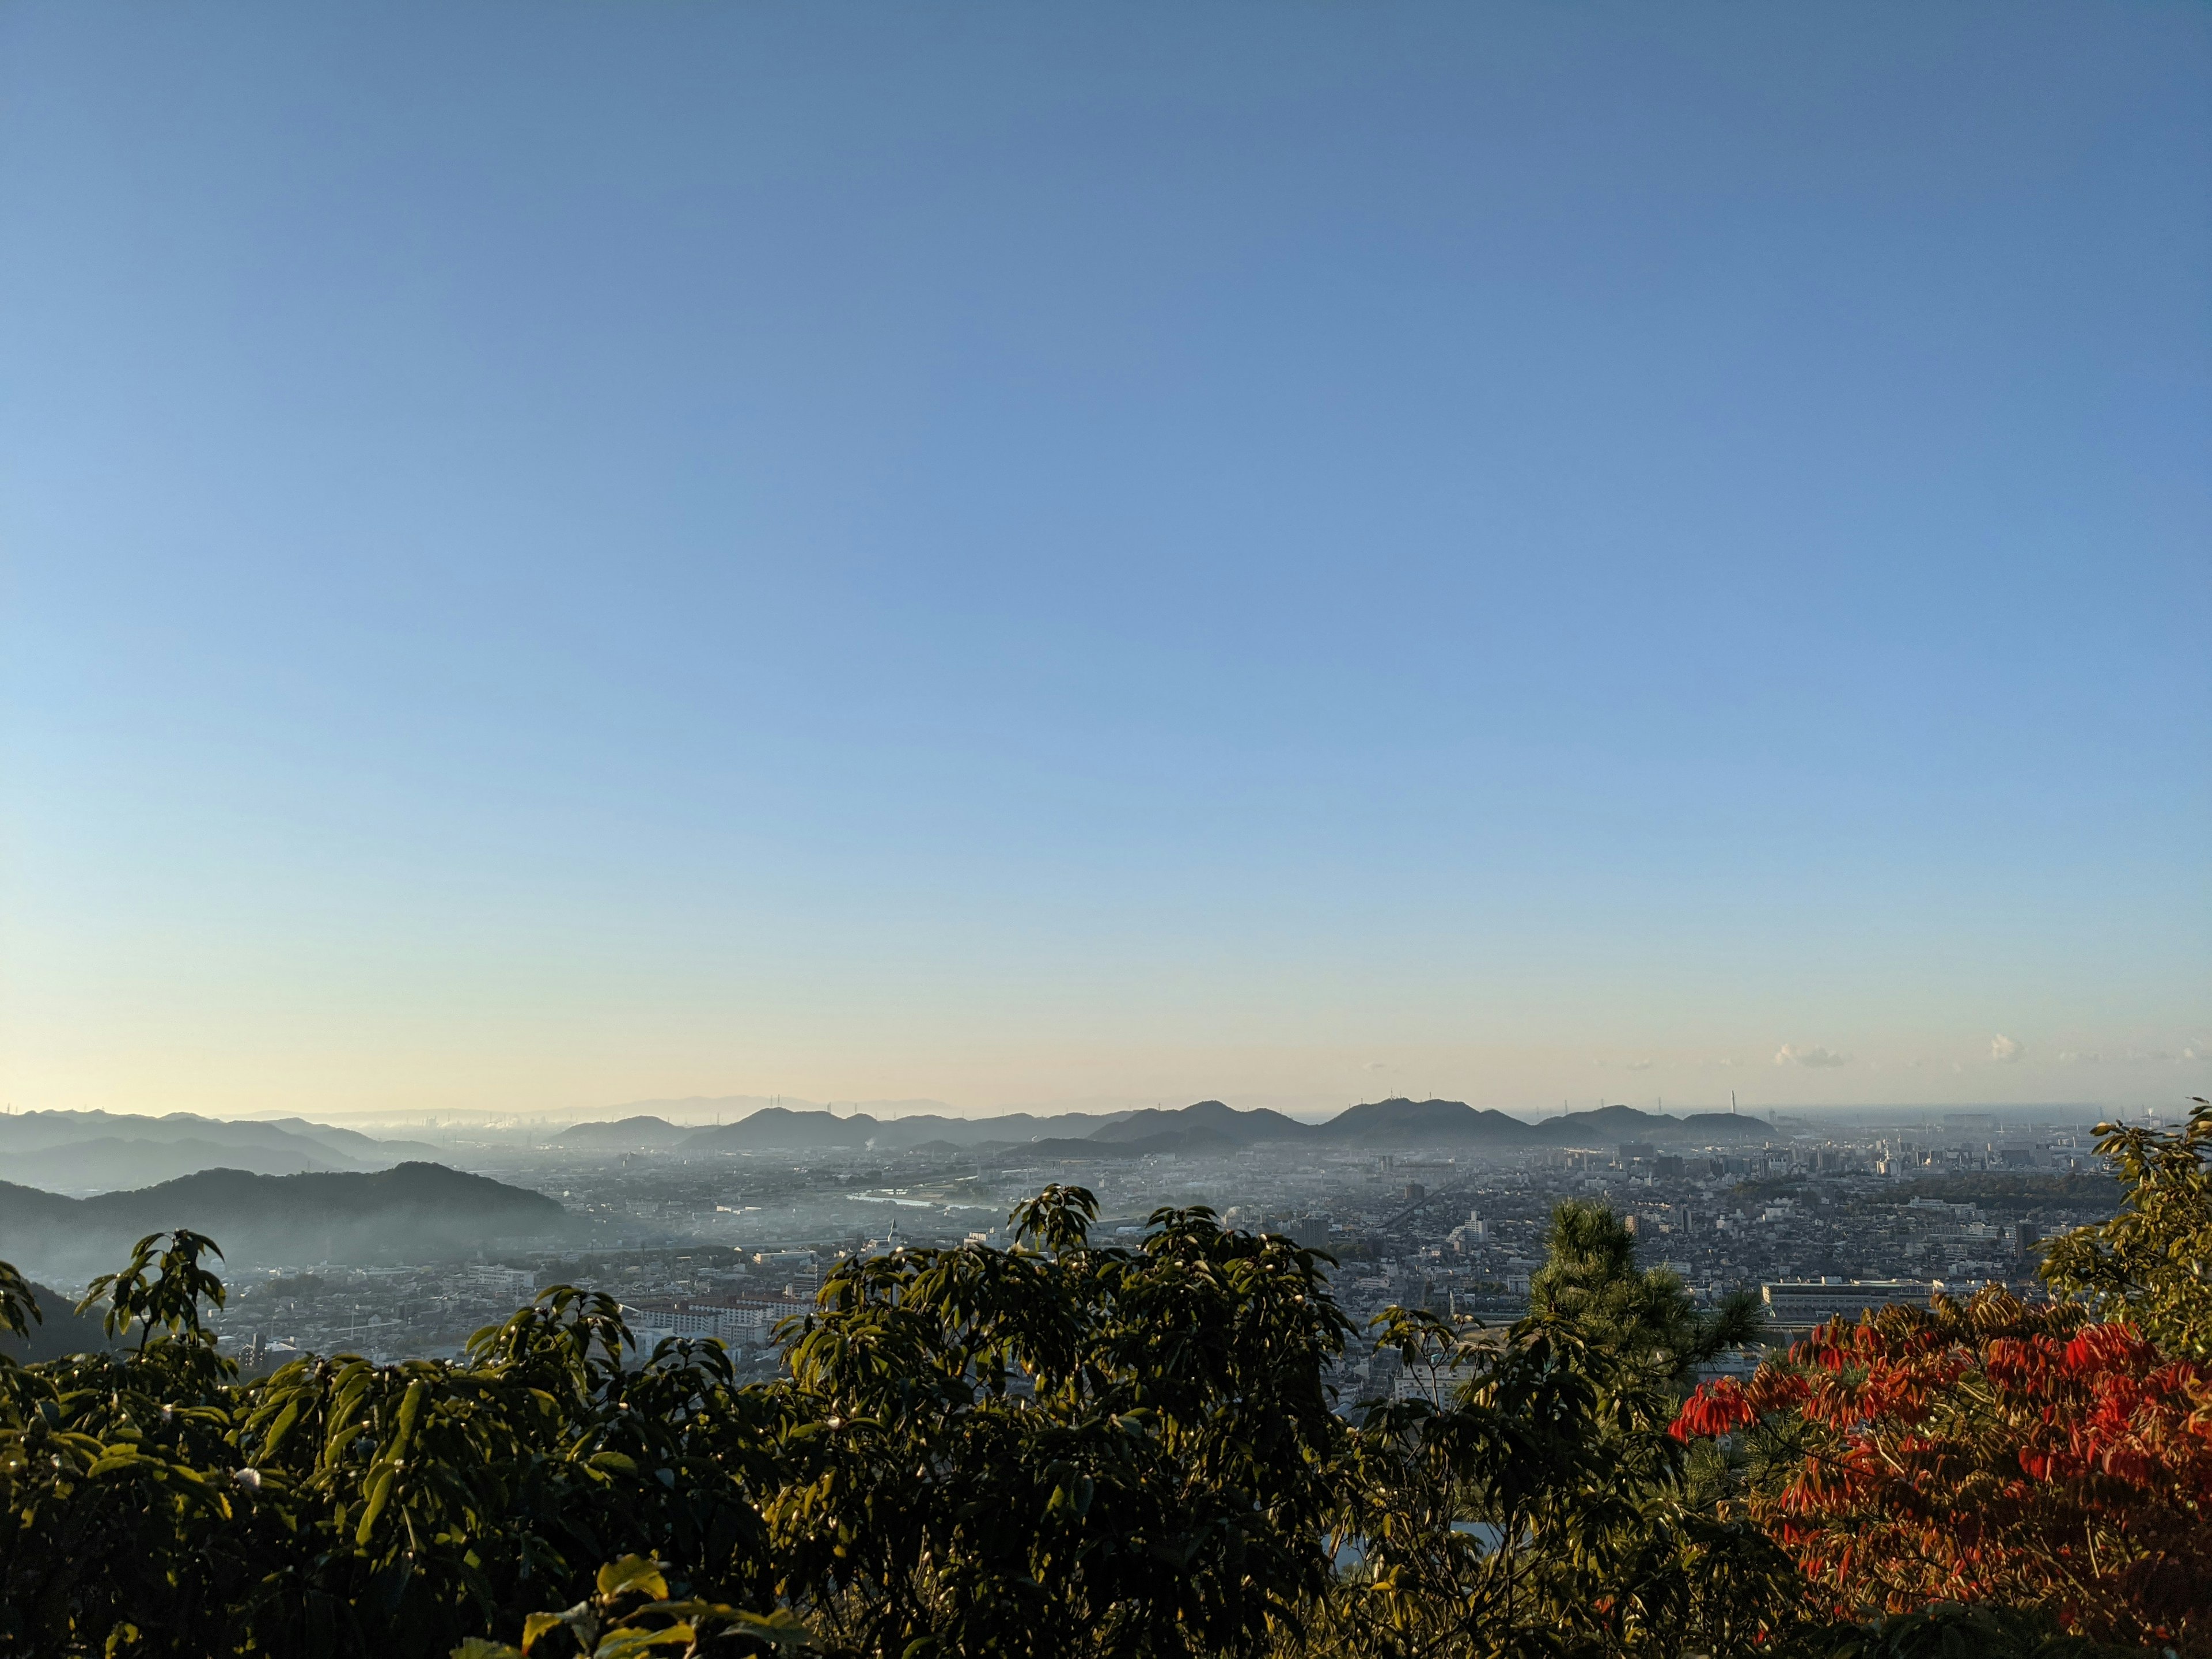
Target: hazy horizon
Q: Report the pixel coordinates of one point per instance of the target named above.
(562, 555)
(702, 1111)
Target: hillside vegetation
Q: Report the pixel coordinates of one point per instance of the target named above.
(1207, 1125)
(417, 1209)
(1066, 1448)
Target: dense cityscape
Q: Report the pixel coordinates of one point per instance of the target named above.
(1817, 1219)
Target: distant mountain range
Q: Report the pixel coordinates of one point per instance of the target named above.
(1206, 1126)
(781, 1128)
(692, 1110)
(108, 1152)
(416, 1213)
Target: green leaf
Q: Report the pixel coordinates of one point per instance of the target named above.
(632, 1574)
(621, 1643)
(379, 1488)
(785, 1629)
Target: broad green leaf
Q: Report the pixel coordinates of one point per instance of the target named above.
(634, 1575)
(622, 1643)
(538, 1623)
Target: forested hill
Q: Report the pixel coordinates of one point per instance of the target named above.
(1207, 1125)
(78, 1152)
(416, 1212)
(58, 1330)
(625, 1134)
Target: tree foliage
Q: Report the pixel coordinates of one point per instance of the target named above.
(1590, 1281)
(1057, 1448)
(19, 1308)
(1988, 1450)
(1066, 1448)
(2049, 1455)
(1062, 1449)
(1541, 1507)
(2150, 1265)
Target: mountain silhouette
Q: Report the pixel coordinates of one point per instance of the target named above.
(778, 1128)
(95, 1150)
(416, 1212)
(1212, 1117)
(626, 1133)
(1204, 1125)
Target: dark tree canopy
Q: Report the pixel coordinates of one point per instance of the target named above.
(1062, 1448)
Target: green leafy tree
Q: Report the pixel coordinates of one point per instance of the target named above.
(1062, 1449)
(1541, 1508)
(1589, 1280)
(153, 1503)
(1059, 1449)
(115, 1472)
(2151, 1264)
(19, 1310)
(630, 1614)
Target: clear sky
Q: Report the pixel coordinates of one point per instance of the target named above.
(558, 553)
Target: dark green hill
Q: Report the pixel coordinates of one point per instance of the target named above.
(1402, 1123)
(1209, 1117)
(778, 1128)
(59, 1332)
(1207, 1125)
(416, 1212)
(625, 1134)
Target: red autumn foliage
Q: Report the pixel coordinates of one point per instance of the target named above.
(1988, 1450)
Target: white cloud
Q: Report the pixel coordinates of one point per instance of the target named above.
(2005, 1049)
(1639, 1065)
(1791, 1054)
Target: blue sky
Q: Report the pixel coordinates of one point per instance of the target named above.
(557, 554)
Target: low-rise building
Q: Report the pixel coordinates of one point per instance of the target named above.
(1800, 1305)
(748, 1321)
